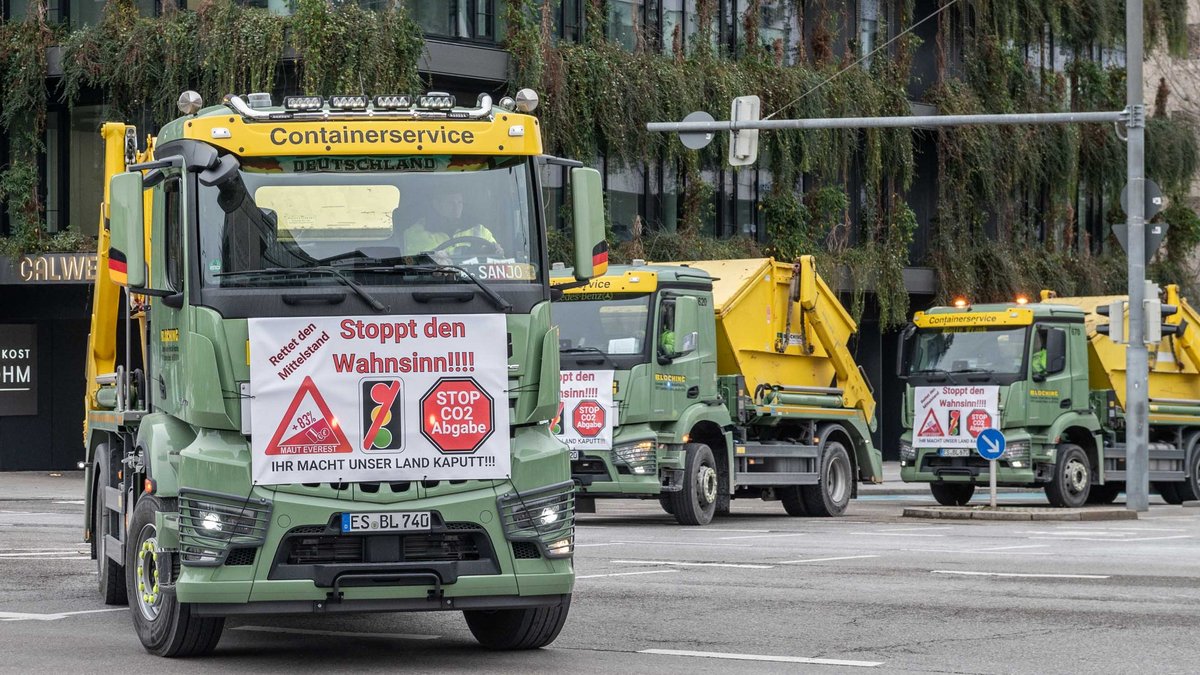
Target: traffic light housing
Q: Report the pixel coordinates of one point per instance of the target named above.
(1115, 328)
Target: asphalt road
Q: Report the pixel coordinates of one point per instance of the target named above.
(767, 593)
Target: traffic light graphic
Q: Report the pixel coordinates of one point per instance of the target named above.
(382, 411)
(954, 422)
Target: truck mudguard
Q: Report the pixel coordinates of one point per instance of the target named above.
(161, 437)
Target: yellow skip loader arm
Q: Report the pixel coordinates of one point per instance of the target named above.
(1188, 337)
(829, 320)
(120, 150)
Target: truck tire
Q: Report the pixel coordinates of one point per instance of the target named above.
(111, 576)
(793, 501)
(952, 494)
(697, 501)
(510, 629)
(1104, 494)
(1189, 489)
(831, 495)
(1072, 479)
(1169, 492)
(664, 500)
(165, 626)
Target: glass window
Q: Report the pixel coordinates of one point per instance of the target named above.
(173, 217)
(963, 350)
(85, 162)
(86, 12)
(358, 212)
(568, 20)
(779, 28)
(626, 200)
(746, 223)
(672, 34)
(693, 25)
(671, 194)
(468, 19)
(626, 19)
(552, 195)
(611, 323)
(52, 181)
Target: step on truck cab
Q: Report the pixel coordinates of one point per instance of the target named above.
(1050, 378)
(695, 383)
(321, 368)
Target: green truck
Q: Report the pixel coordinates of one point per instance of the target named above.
(321, 368)
(695, 383)
(1052, 379)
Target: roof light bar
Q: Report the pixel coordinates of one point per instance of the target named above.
(303, 102)
(348, 102)
(393, 102)
(435, 100)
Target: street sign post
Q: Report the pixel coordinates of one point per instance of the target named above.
(990, 444)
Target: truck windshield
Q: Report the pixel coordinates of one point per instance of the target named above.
(964, 350)
(356, 213)
(615, 325)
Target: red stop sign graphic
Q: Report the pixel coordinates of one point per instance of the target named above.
(977, 421)
(588, 418)
(456, 415)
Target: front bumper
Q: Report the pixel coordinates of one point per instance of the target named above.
(494, 571)
(598, 473)
(925, 465)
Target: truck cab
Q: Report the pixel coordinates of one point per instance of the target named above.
(322, 366)
(1021, 368)
(637, 329)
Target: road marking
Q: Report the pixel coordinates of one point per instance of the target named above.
(23, 616)
(730, 529)
(766, 536)
(1008, 548)
(43, 557)
(1113, 539)
(843, 557)
(897, 534)
(763, 657)
(335, 633)
(41, 554)
(682, 543)
(625, 574)
(740, 566)
(1021, 575)
(70, 501)
(611, 543)
(972, 551)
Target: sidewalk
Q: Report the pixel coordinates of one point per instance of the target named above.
(51, 485)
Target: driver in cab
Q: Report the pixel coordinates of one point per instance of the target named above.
(447, 232)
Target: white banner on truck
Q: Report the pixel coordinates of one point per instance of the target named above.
(379, 398)
(952, 416)
(586, 416)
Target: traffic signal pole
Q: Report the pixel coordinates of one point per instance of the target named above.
(1134, 117)
(1137, 368)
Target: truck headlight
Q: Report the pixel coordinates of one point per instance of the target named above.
(1016, 452)
(640, 457)
(907, 453)
(545, 517)
(211, 523)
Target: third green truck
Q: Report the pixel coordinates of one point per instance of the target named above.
(697, 383)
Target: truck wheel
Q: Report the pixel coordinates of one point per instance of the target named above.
(1169, 492)
(831, 496)
(1104, 494)
(664, 500)
(509, 629)
(696, 502)
(1072, 478)
(1189, 489)
(793, 501)
(952, 494)
(111, 575)
(165, 626)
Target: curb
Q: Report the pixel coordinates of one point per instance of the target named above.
(1018, 513)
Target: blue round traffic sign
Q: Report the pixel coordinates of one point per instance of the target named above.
(990, 443)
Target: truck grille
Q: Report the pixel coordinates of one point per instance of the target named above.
(463, 542)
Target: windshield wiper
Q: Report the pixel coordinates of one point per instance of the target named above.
(588, 350)
(987, 371)
(308, 271)
(930, 371)
(497, 300)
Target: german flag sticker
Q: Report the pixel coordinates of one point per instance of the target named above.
(118, 270)
(600, 259)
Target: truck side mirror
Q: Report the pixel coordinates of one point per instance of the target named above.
(1056, 351)
(902, 350)
(126, 230)
(587, 202)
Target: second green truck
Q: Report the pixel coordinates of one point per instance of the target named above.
(696, 383)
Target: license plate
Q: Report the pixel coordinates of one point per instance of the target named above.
(385, 522)
(574, 455)
(954, 452)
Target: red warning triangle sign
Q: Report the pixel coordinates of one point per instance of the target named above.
(931, 426)
(309, 426)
